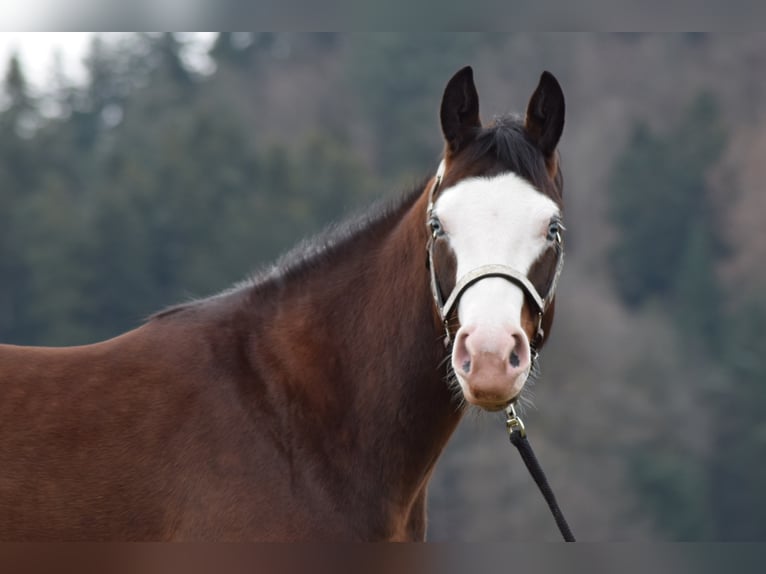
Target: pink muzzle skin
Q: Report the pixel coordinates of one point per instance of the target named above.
(492, 361)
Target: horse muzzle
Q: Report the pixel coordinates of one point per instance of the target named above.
(492, 364)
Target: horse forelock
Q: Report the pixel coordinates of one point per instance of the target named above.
(504, 145)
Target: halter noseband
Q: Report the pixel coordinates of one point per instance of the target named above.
(482, 272)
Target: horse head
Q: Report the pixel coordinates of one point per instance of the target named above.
(495, 227)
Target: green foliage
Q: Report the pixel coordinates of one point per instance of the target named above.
(697, 297)
(394, 72)
(667, 251)
(17, 175)
(148, 192)
(674, 486)
(738, 470)
(230, 49)
(659, 200)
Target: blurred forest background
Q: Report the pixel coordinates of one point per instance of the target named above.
(156, 180)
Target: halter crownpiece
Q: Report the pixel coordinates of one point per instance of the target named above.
(484, 271)
(437, 182)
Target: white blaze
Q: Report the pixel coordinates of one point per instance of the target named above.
(498, 220)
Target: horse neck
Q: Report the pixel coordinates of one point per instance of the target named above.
(368, 375)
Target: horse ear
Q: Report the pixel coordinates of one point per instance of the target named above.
(545, 114)
(460, 110)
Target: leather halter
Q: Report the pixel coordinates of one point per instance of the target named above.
(484, 271)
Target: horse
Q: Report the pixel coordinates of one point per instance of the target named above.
(312, 401)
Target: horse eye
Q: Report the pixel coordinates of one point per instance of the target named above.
(554, 231)
(436, 227)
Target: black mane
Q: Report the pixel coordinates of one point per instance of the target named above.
(316, 251)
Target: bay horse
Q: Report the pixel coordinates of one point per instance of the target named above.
(312, 401)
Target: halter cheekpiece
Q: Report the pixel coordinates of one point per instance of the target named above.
(445, 308)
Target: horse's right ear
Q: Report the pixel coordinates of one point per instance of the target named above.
(460, 110)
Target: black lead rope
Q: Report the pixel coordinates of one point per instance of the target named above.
(518, 436)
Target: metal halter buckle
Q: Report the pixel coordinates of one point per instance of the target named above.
(513, 422)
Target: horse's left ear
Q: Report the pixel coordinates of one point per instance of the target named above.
(545, 114)
(460, 110)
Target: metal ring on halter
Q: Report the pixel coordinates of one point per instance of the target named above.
(513, 422)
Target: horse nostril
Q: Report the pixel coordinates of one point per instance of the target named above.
(467, 367)
(515, 361)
